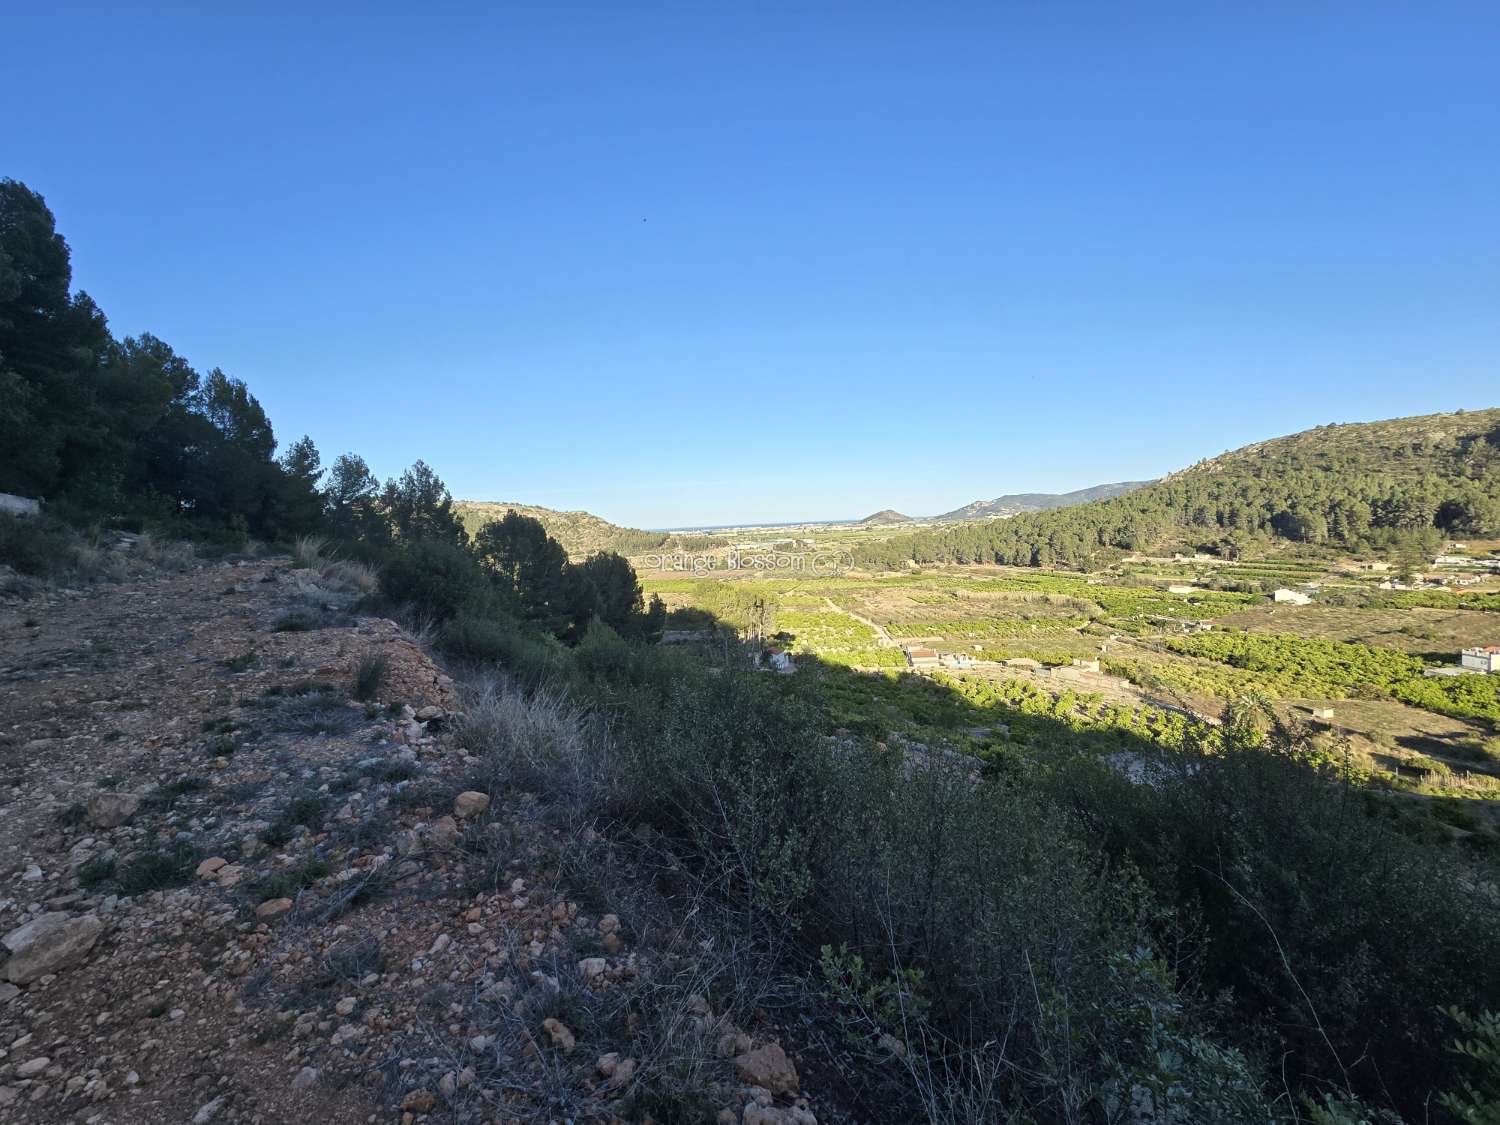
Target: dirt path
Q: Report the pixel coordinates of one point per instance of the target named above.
(883, 639)
(135, 745)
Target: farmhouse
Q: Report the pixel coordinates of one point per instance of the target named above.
(1484, 658)
(921, 657)
(779, 660)
(1285, 596)
(1180, 589)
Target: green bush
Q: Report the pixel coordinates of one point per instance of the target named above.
(369, 676)
(437, 580)
(37, 545)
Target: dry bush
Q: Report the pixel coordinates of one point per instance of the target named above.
(165, 554)
(537, 741)
(308, 550)
(347, 575)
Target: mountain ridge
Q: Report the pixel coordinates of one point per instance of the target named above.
(1016, 503)
(1399, 484)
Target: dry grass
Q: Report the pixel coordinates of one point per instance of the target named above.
(164, 554)
(308, 550)
(311, 552)
(538, 742)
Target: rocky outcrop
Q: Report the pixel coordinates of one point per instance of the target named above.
(47, 944)
(110, 810)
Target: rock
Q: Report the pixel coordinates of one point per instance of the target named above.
(110, 810)
(562, 1037)
(606, 1064)
(609, 924)
(430, 713)
(469, 804)
(443, 831)
(33, 1067)
(8, 992)
(756, 1114)
(419, 1101)
(440, 944)
(767, 1066)
(448, 1084)
(624, 1071)
(273, 908)
(210, 867)
(306, 1078)
(891, 1045)
(230, 875)
(48, 944)
(345, 1006)
(732, 1042)
(208, 1112)
(591, 967)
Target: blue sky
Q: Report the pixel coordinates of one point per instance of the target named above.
(706, 262)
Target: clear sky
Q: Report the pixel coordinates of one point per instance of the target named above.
(702, 262)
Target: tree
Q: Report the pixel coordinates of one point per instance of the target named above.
(420, 508)
(301, 505)
(534, 570)
(350, 501)
(616, 592)
(52, 346)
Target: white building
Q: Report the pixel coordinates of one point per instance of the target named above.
(1481, 659)
(780, 661)
(1283, 596)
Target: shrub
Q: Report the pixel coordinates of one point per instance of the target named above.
(158, 870)
(307, 550)
(37, 545)
(295, 621)
(164, 554)
(369, 676)
(437, 580)
(535, 741)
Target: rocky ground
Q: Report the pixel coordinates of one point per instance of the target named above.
(246, 875)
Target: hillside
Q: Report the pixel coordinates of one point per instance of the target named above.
(1394, 486)
(580, 533)
(883, 517)
(1016, 503)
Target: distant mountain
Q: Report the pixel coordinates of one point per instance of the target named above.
(1020, 502)
(582, 533)
(883, 517)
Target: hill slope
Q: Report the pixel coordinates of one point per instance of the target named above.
(885, 516)
(1399, 484)
(580, 533)
(1016, 503)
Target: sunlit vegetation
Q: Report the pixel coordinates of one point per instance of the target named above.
(1300, 666)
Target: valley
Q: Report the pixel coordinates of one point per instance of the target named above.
(1147, 642)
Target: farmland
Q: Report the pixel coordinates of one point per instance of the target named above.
(1177, 641)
